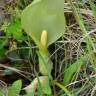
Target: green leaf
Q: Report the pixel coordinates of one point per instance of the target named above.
(44, 85)
(47, 88)
(45, 64)
(30, 94)
(2, 54)
(41, 84)
(7, 72)
(1, 93)
(74, 68)
(14, 90)
(44, 15)
(2, 49)
(14, 29)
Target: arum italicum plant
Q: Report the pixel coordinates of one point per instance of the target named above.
(44, 22)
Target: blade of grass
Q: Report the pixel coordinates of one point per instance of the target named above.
(81, 25)
(75, 68)
(93, 7)
(63, 88)
(90, 45)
